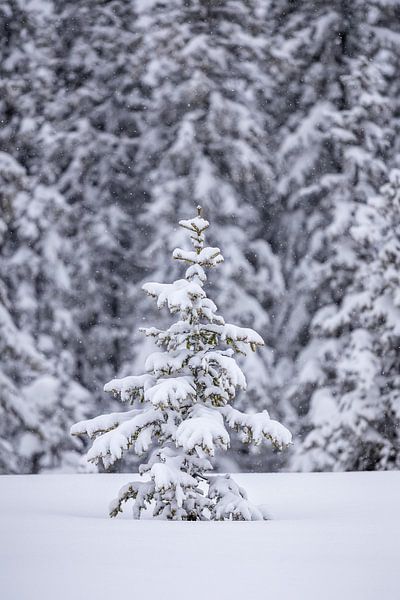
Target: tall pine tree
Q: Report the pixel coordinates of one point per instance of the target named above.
(337, 143)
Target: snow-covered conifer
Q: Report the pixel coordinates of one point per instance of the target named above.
(39, 397)
(355, 412)
(183, 404)
(337, 144)
(89, 140)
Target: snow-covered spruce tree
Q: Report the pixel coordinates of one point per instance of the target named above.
(39, 396)
(355, 413)
(337, 143)
(20, 430)
(183, 403)
(324, 362)
(89, 140)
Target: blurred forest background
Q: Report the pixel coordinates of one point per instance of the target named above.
(281, 118)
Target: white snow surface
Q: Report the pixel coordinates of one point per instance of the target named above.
(333, 536)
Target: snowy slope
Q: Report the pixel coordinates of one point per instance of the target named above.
(334, 536)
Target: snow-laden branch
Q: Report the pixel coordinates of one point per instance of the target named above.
(174, 392)
(129, 387)
(140, 491)
(226, 365)
(232, 502)
(203, 431)
(166, 363)
(139, 429)
(207, 257)
(178, 296)
(232, 333)
(102, 423)
(197, 224)
(256, 427)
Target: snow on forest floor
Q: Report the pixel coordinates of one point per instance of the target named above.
(334, 536)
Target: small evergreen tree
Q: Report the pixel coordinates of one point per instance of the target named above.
(184, 402)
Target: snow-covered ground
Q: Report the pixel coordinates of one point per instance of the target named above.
(333, 536)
